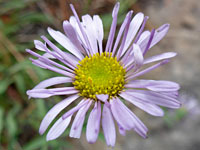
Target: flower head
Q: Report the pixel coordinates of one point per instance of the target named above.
(103, 76)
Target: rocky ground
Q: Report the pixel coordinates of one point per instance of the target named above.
(183, 38)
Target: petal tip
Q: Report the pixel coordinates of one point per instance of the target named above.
(41, 132)
(65, 23)
(49, 28)
(27, 50)
(116, 9)
(49, 138)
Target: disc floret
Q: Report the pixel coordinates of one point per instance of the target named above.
(99, 74)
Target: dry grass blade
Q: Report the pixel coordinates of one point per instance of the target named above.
(18, 56)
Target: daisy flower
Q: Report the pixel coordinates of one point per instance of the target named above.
(102, 77)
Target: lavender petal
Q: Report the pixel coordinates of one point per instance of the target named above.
(151, 97)
(90, 31)
(58, 128)
(72, 35)
(76, 108)
(112, 28)
(45, 93)
(119, 52)
(131, 77)
(133, 29)
(119, 112)
(99, 31)
(54, 111)
(153, 85)
(81, 27)
(77, 125)
(93, 125)
(121, 30)
(152, 109)
(160, 57)
(65, 42)
(52, 81)
(108, 126)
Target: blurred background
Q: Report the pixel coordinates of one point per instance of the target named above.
(22, 21)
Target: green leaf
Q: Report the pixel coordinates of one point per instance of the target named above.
(41, 108)
(34, 17)
(19, 66)
(20, 83)
(4, 85)
(181, 113)
(10, 5)
(36, 143)
(1, 120)
(11, 123)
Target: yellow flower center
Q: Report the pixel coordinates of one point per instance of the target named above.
(99, 74)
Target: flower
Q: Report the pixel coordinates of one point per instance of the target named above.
(103, 76)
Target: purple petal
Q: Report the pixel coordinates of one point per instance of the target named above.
(172, 94)
(99, 31)
(152, 109)
(70, 59)
(138, 126)
(158, 86)
(149, 42)
(93, 125)
(47, 55)
(65, 42)
(151, 97)
(119, 52)
(141, 29)
(58, 54)
(102, 97)
(72, 35)
(52, 81)
(133, 29)
(108, 126)
(45, 65)
(74, 23)
(58, 128)
(81, 27)
(76, 108)
(123, 26)
(159, 57)
(90, 31)
(121, 115)
(131, 77)
(138, 57)
(122, 131)
(47, 61)
(159, 34)
(39, 45)
(77, 125)
(124, 59)
(129, 61)
(53, 112)
(38, 63)
(42, 47)
(45, 93)
(112, 28)
(143, 36)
